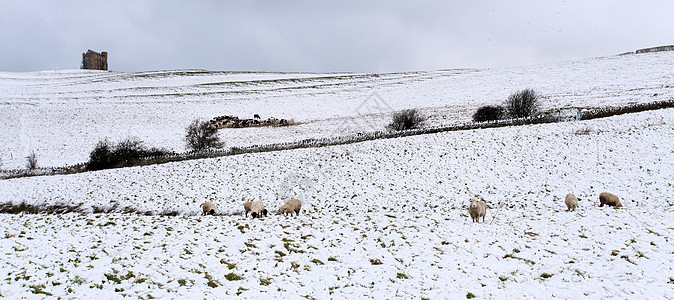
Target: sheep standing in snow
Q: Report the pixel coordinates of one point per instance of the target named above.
(571, 202)
(293, 205)
(257, 209)
(609, 199)
(246, 207)
(477, 209)
(208, 207)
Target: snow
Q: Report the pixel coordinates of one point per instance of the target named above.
(61, 115)
(402, 202)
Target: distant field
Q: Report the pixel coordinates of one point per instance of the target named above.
(61, 115)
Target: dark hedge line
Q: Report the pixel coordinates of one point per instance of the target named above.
(586, 114)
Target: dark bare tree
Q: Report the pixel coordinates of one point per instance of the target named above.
(202, 136)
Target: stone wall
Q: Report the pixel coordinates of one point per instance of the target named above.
(656, 49)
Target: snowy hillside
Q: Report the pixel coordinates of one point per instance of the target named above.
(380, 219)
(61, 115)
(401, 202)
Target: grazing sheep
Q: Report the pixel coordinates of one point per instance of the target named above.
(571, 202)
(477, 209)
(256, 116)
(246, 207)
(293, 205)
(609, 199)
(257, 209)
(208, 207)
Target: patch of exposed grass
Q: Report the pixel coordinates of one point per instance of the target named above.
(292, 249)
(229, 265)
(520, 258)
(39, 289)
(265, 281)
(114, 278)
(232, 277)
(140, 280)
(627, 258)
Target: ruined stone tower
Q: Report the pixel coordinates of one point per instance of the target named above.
(93, 60)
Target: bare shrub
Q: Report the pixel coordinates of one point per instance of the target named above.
(488, 113)
(31, 161)
(523, 104)
(127, 152)
(200, 136)
(407, 119)
(101, 157)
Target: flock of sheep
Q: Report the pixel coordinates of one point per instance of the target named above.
(257, 209)
(235, 122)
(477, 208)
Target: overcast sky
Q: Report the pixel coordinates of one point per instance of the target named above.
(317, 36)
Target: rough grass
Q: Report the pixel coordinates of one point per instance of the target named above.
(63, 208)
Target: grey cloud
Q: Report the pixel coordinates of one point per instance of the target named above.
(358, 36)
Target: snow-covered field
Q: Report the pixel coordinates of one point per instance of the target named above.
(399, 201)
(381, 219)
(61, 115)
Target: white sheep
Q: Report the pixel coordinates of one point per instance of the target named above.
(208, 207)
(246, 207)
(477, 209)
(293, 205)
(609, 199)
(257, 209)
(571, 202)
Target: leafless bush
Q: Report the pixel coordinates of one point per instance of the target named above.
(488, 113)
(407, 119)
(128, 152)
(523, 104)
(202, 136)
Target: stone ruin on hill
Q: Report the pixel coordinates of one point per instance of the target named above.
(235, 122)
(92, 60)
